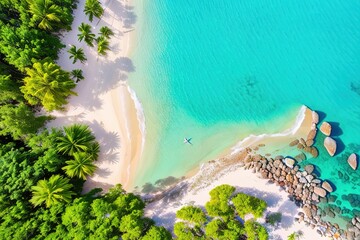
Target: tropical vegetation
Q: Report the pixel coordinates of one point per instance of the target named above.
(86, 34)
(77, 54)
(219, 218)
(93, 9)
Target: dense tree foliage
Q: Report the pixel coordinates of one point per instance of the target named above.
(255, 231)
(219, 204)
(245, 204)
(219, 221)
(19, 121)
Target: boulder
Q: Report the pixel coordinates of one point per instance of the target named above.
(289, 162)
(307, 211)
(309, 168)
(325, 128)
(352, 161)
(300, 157)
(309, 178)
(294, 143)
(309, 142)
(315, 117)
(314, 152)
(311, 134)
(330, 145)
(325, 185)
(320, 191)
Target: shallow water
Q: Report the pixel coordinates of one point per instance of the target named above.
(217, 71)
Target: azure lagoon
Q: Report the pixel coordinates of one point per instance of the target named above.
(218, 71)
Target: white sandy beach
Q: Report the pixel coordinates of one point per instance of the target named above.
(194, 191)
(105, 102)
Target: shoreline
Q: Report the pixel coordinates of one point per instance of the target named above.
(105, 102)
(298, 129)
(194, 189)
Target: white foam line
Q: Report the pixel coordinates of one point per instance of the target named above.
(140, 115)
(256, 138)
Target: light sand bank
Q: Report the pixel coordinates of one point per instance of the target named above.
(104, 101)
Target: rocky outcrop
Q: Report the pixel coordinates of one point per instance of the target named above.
(289, 162)
(311, 135)
(294, 143)
(309, 168)
(352, 161)
(309, 142)
(320, 191)
(330, 145)
(325, 128)
(325, 185)
(315, 117)
(314, 152)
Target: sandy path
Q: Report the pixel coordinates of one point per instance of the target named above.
(104, 101)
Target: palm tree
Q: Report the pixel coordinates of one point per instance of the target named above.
(81, 166)
(47, 84)
(55, 190)
(94, 150)
(106, 32)
(93, 8)
(77, 54)
(44, 13)
(86, 34)
(102, 45)
(77, 75)
(78, 138)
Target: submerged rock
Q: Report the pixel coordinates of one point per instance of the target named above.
(309, 142)
(320, 191)
(325, 128)
(315, 117)
(314, 152)
(325, 185)
(330, 145)
(309, 168)
(294, 143)
(352, 160)
(289, 162)
(300, 157)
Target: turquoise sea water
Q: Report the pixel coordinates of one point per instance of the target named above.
(217, 71)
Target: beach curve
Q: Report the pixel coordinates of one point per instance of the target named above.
(104, 100)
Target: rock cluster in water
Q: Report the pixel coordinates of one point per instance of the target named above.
(307, 190)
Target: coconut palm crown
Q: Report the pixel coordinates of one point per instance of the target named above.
(93, 8)
(78, 138)
(86, 34)
(52, 191)
(81, 166)
(44, 13)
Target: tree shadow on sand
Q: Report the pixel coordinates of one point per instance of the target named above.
(288, 210)
(90, 184)
(103, 172)
(109, 142)
(124, 13)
